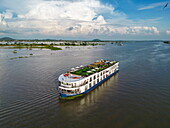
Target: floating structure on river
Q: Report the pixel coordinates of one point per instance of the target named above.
(83, 79)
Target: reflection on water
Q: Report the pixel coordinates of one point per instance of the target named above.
(89, 100)
(136, 97)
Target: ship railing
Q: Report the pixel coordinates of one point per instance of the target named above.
(69, 93)
(66, 86)
(74, 91)
(71, 86)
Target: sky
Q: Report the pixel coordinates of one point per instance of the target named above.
(85, 19)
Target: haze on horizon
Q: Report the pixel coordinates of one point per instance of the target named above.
(85, 19)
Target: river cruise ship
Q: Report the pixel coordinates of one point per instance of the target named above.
(81, 80)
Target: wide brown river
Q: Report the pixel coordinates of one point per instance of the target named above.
(137, 97)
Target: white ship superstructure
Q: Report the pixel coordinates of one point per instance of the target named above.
(81, 80)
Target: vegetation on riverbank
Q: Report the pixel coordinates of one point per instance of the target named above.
(9, 39)
(29, 46)
(43, 45)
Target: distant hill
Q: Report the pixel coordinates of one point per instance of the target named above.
(6, 38)
(96, 40)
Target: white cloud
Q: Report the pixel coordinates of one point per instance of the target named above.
(168, 32)
(8, 14)
(71, 18)
(3, 23)
(154, 5)
(84, 10)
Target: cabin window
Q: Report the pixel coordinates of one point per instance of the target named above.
(64, 83)
(63, 90)
(90, 79)
(90, 85)
(94, 77)
(86, 88)
(86, 82)
(97, 80)
(77, 90)
(72, 91)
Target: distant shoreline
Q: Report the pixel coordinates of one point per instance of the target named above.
(43, 45)
(9, 39)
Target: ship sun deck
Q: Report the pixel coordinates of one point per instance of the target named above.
(93, 68)
(78, 73)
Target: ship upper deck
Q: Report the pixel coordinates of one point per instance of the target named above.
(93, 68)
(78, 73)
(67, 77)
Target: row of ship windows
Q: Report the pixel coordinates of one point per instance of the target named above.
(99, 75)
(69, 91)
(86, 81)
(77, 90)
